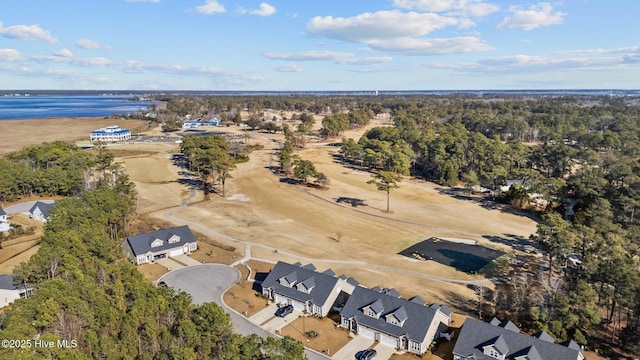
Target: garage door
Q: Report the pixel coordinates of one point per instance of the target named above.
(368, 333)
(173, 253)
(281, 299)
(298, 305)
(389, 340)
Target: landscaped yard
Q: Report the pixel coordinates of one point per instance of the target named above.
(329, 337)
(242, 297)
(152, 272)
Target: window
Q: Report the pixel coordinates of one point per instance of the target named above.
(415, 346)
(370, 313)
(493, 353)
(393, 321)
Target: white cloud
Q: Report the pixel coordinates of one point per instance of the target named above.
(210, 7)
(286, 68)
(379, 25)
(10, 55)
(336, 57)
(629, 49)
(264, 10)
(399, 32)
(535, 16)
(63, 53)
(365, 60)
(27, 32)
(313, 55)
(88, 44)
(65, 56)
(414, 46)
(474, 8)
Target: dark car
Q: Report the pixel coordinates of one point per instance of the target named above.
(367, 354)
(162, 284)
(284, 311)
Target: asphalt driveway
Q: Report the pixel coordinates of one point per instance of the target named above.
(207, 283)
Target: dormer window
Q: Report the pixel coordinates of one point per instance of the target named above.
(306, 286)
(370, 312)
(156, 243)
(393, 321)
(174, 239)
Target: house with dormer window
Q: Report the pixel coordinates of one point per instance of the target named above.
(502, 340)
(306, 289)
(382, 315)
(150, 247)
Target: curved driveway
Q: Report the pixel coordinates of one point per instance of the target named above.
(207, 283)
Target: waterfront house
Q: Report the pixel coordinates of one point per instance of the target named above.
(111, 134)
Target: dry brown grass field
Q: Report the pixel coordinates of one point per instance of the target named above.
(299, 220)
(309, 223)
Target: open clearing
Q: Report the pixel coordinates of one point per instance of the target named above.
(310, 223)
(300, 220)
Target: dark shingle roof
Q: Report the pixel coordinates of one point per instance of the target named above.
(2, 211)
(475, 334)
(141, 244)
(43, 206)
(329, 272)
(323, 283)
(543, 335)
(418, 317)
(6, 282)
(418, 300)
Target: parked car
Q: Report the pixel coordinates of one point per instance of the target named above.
(367, 354)
(284, 311)
(162, 284)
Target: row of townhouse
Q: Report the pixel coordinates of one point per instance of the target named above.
(405, 324)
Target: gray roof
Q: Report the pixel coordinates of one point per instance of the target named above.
(2, 211)
(418, 300)
(476, 334)
(323, 283)
(418, 317)
(43, 206)
(543, 335)
(141, 244)
(6, 282)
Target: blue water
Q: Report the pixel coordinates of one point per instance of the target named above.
(47, 106)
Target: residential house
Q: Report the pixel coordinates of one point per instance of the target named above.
(9, 292)
(110, 134)
(4, 224)
(149, 247)
(381, 315)
(305, 288)
(40, 210)
(480, 340)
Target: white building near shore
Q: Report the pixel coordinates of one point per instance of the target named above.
(111, 134)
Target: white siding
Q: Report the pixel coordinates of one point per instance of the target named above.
(177, 252)
(297, 305)
(389, 340)
(366, 332)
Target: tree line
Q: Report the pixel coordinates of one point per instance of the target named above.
(89, 294)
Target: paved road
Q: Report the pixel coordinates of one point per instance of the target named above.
(24, 207)
(207, 283)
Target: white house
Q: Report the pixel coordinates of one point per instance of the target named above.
(381, 315)
(40, 210)
(10, 292)
(149, 247)
(4, 225)
(306, 289)
(111, 134)
(502, 340)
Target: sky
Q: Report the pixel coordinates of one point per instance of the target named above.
(321, 45)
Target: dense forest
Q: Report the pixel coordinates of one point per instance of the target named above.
(90, 295)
